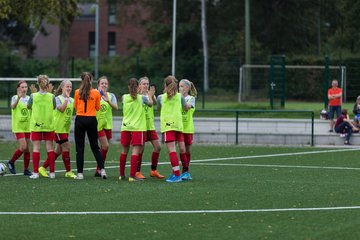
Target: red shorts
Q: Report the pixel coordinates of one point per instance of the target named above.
(22, 135)
(172, 136)
(151, 135)
(38, 136)
(188, 138)
(61, 137)
(132, 138)
(105, 132)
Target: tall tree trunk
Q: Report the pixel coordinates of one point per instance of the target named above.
(66, 19)
(64, 51)
(205, 45)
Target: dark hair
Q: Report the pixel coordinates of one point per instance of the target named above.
(133, 85)
(102, 77)
(19, 83)
(344, 111)
(85, 87)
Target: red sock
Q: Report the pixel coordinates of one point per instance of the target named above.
(133, 165)
(174, 163)
(51, 158)
(184, 162)
(36, 161)
(139, 163)
(46, 163)
(122, 163)
(154, 160)
(16, 155)
(26, 160)
(188, 155)
(56, 155)
(66, 159)
(103, 154)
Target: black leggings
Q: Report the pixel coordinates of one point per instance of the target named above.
(87, 125)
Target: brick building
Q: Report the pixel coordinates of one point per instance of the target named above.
(117, 29)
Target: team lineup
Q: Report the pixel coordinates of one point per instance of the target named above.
(46, 115)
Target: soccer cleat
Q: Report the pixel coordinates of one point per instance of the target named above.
(43, 172)
(122, 178)
(173, 179)
(140, 175)
(103, 174)
(347, 143)
(135, 179)
(186, 176)
(79, 176)
(34, 176)
(156, 174)
(52, 175)
(70, 174)
(27, 172)
(11, 167)
(97, 173)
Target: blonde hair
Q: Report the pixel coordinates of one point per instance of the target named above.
(170, 86)
(43, 81)
(192, 89)
(85, 87)
(133, 85)
(143, 78)
(62, 84)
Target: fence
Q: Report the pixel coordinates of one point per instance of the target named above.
(237, 113)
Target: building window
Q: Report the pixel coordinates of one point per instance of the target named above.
(111, 12)
(111, 44)
(91, 44)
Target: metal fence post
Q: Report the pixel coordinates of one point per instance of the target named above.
(237, 128)
(312, 129)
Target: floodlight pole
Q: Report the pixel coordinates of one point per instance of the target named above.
(173, 39)
(96, 57)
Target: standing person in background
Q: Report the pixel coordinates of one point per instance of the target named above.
(62, 122)
(104, 117)
(20, 116)
(151, 134)
(42, 104)
(356, 111)
(335, 101)
(133, 128)
(188, 90)
(171, 104)
(86, 104)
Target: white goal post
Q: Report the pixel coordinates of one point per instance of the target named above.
(242, 80)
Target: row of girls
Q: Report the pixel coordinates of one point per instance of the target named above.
(43, 116)
(34, 119)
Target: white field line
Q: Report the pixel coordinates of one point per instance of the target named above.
(235, 158)
(274, 166)
(185, 211)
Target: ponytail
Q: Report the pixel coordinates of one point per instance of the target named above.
(43, 81)
(192, 89)
(170, 86)
(85, 87)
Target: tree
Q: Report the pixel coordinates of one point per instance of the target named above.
(29, 12)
